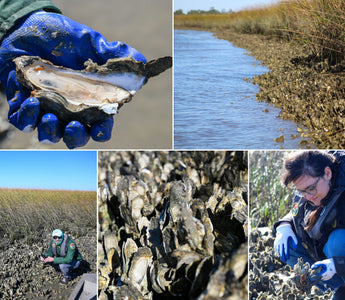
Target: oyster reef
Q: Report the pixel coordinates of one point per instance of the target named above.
(89, 95)
(172, 225)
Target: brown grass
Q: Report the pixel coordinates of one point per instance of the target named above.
(26, 213)
(317, 23)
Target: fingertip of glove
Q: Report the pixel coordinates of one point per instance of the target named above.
(75, 135)
(27, 115)
(31, 102)
(101, 131)
(49, 129)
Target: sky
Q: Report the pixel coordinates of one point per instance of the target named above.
(234, 5)
(63, 170)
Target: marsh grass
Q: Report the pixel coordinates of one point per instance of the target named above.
(28, 214)
(269, 199)
(320, 24)
(324, 27)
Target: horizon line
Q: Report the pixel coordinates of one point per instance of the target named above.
(45, 189)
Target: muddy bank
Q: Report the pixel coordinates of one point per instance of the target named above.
(24, 276)
(268, 275)
(308, 89)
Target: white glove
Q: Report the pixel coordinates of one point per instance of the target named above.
(281, 243)
(327, 270)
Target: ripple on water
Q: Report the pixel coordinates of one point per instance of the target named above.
(214, 107)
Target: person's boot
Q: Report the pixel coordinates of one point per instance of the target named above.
(339, 294)
(65, 280)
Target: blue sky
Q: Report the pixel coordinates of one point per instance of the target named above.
(235, 5)
(66, 170)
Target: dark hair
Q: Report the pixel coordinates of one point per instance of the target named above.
(312, 163)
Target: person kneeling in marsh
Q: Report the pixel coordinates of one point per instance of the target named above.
(315, 227)
(62, 253)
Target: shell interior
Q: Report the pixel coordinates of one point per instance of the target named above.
(77, 88)
(88, 95)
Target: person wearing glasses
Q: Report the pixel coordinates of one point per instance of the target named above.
(62, 253)
(315, 227)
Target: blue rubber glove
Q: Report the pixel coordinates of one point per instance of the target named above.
(327, 268)
(66, 43)
(284, 237)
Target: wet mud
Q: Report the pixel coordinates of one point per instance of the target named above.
(24, 276)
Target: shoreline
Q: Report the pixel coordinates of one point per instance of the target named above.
(308, 91)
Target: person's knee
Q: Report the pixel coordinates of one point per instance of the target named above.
(64, 267)
(335, 245)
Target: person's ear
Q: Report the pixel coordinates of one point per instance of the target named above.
(328, 173)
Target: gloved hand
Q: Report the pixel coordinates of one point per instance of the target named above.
(66, 43)
(281, 243)
(327, 268)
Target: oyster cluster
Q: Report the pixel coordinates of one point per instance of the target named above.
(172, 225)
(89, 95)
(305, 277)
(270, 278)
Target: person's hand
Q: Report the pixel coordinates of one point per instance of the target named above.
(281, 243)
(327, 270)
(66, 43)
(41, 258)
(48, 259)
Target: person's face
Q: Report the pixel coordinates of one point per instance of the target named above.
(57, 239)
(314, 189)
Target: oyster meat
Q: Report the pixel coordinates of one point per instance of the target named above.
(88, 95)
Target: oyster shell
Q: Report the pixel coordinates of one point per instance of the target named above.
(88, 95)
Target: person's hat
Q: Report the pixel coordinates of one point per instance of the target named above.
(57, 232)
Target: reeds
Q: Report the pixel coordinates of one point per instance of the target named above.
(317, 23)
(265, 20)
(27, 214)
(324, 27)
(269, 199)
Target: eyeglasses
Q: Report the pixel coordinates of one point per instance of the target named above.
(57, 237)
(310, 190)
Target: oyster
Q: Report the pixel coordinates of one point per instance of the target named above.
(305, 277)
(89, 95)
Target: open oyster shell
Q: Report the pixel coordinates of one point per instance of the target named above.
(89, 95)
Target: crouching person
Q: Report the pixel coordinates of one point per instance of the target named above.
(62, 254)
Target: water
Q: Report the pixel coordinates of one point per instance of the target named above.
(214, 107)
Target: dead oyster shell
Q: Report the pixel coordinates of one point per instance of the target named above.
(89, 95)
